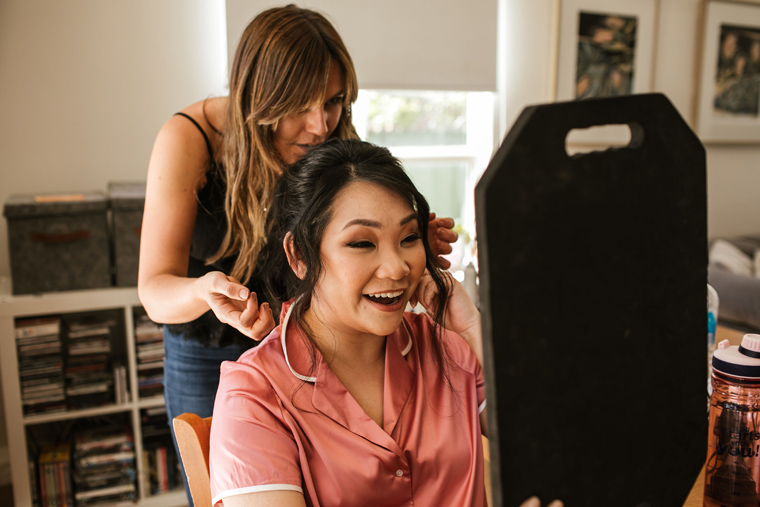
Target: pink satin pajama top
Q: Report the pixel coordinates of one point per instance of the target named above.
(281, 423)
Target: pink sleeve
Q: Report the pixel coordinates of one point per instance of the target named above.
(252, 449)
(468, 361)
(463, 355)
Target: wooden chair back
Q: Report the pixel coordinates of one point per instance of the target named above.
(193, 434)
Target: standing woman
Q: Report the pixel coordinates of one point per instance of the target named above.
(210, 180)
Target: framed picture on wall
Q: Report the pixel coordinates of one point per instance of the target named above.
(728, 98)
(605, 48)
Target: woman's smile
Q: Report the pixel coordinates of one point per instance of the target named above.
(388, 301)
(373, 257)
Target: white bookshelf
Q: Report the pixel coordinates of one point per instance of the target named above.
(60, 303)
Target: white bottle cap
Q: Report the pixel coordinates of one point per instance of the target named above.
(741, 361)
(750, 345)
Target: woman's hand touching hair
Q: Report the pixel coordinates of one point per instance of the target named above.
(235, 305)
(440, 237)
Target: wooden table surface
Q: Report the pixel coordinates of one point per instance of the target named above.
(697, 492)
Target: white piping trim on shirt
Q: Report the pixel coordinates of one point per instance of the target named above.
(285, 348)
(314, 379)
(256, 489)
(409, 334)
(482, 407)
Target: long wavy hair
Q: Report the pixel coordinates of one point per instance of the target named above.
(281, 67)
(302, 207)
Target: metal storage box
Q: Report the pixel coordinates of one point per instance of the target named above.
(127, 200)
(58, 242)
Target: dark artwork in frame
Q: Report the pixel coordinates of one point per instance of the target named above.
(737, 73)
(606, 48)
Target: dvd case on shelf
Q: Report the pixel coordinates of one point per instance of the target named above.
(149, 339)
(88, 371)
(160, 461)
(55, 475)
(104, 466)
(40, 356)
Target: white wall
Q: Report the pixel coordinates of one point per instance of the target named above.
(419, 44)
(733, 175)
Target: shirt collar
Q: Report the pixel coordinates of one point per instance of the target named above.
(283, 338)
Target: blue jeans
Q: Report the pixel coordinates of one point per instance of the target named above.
(191, 378)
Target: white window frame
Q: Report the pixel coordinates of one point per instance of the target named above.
(475, 153)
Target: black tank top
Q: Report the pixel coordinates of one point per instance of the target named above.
(210, 227)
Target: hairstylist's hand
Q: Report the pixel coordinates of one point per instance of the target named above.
(535, 502)
(234, 304)
(440, 237)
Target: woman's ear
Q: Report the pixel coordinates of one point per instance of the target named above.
(294, 259)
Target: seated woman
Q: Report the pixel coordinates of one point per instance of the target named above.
(352, 400)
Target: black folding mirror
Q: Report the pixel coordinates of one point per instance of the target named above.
(593, 273)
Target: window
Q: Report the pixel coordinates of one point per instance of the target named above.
(444, 139)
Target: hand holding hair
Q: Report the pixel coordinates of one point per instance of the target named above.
(234, 304)
(440, 237)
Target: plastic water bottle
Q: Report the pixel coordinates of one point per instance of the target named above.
(471, 282)
(732, 470)
(712, 323)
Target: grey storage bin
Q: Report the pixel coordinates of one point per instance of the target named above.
(127, 200)
(58, 242)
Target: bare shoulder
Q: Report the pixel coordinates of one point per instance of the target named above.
(180, 152)
(210, 113)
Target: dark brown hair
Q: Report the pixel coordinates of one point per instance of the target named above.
(302, 207)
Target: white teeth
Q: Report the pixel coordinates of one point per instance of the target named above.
(389, 295)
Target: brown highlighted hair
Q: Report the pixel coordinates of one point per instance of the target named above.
(281, 67)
